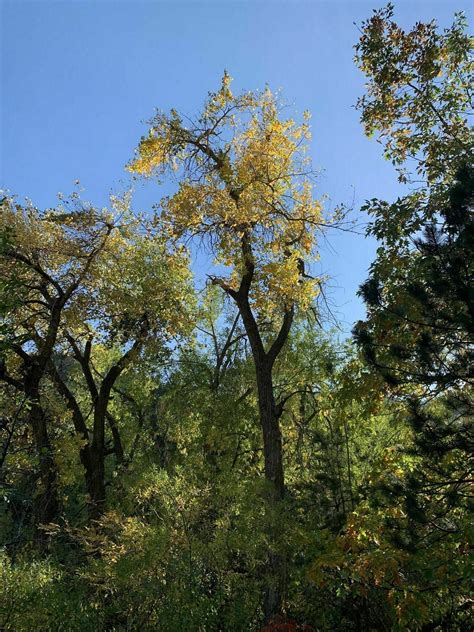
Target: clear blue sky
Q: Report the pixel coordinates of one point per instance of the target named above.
(78, 80)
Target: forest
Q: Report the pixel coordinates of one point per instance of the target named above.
(185, 456)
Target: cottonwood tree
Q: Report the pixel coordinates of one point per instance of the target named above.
(245, 187)
(140, 301)
(88, 279)
(48, 263)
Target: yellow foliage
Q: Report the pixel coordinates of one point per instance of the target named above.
(120, 270)
(244, 175)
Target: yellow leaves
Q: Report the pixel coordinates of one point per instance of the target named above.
(225, 94)
(244, 172)
(268, 148)
(282, 284)
(138, 274)
(151, 155)
(306, 243)
(119, 270)
(194, 205)
(220, 99)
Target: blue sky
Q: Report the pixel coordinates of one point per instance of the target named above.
(79, 80)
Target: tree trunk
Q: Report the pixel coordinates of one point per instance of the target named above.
(96, 482)
(273, 459)
(269, 414)
(97, 450)
(46, 504)
(269, 421)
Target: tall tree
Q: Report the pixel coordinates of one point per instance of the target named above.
(87, 278)
(50, 263)
(419, 296)
(418, 334)
(245, 186)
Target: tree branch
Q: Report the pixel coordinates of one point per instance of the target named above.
(282, 336)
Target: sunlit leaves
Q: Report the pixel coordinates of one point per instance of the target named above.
(243, 174)
(419, 96)
(120, 269)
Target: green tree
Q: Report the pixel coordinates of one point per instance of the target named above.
(50, 267)
(418, 334)
(419, 94)
(88, 278)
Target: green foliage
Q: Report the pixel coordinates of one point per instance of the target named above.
(419, 297)
(418, 94)
(412, 539)
(155, 393)
(10, 288)
(39, 595)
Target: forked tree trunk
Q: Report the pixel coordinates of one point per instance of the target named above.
(269, 416)
(100, 395)
(92, 454)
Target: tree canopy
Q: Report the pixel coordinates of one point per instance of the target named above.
(177, 455)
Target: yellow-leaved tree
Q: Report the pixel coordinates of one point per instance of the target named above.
(85, 279)
(245, 188)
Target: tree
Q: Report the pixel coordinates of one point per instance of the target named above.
(419, 95)
(419, 297)
(418, 334)
(245, 187)
(50, 266)
(87, 278)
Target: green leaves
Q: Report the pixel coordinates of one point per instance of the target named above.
(418, 95)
